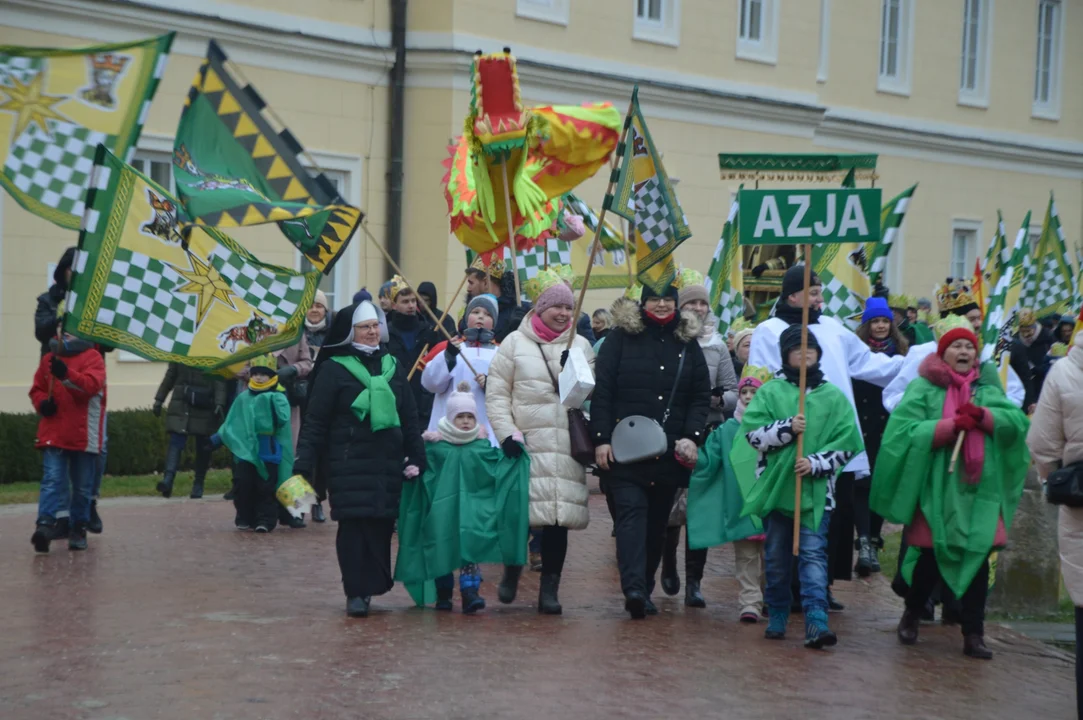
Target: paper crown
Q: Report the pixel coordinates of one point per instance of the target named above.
(495, 269)
(760, 373)
(398, 284)
(634, 293)
(1027, 318)
(267, 362)
(740, 324)
(948, 323)
(955, 296)
(687, 277)
(901, 302)
(544, 280)
(1058, 350)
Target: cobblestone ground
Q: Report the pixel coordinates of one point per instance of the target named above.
(173, 614)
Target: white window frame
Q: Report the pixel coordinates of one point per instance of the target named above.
(974, 229)
(664, 31)
(825, 41)
(1049, 109)
(978, 96)
(556, 12)
(763, 49)
(899, 83)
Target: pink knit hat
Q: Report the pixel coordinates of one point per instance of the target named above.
(461, 401)
(558, 294)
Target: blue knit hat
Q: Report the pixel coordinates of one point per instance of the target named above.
(876, 307)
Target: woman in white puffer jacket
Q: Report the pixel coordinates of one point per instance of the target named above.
(1055, 440)
(521, 396)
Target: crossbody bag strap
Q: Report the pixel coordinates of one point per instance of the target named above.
(676, 380)
(547, 368)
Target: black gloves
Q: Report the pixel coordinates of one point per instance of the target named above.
(47, 408)
(517, 316)
(563, 359)
(287, 373)
(451, 355)
(59, 368)
(511, 448)
(157, 409)
(759, 270)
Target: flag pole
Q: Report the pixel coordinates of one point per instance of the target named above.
(395, 266)
(955, 452)
(511, 232)
(447, 309)
(801, 384)
(628, 259)
(614, 175)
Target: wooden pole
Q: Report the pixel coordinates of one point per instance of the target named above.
(614, 175)
(447, 309)
(628, 260)
(955, 452)
(802, 381)
(395, 266)
(511, 233)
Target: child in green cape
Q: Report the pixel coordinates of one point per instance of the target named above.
(257, 432)
(768, 482)
(715, 506)
(957, 512)
(470, 506)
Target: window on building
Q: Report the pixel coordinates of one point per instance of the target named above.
(896, 42)
(1047, 64)
(964, 247)
(658, 21)
(974, 65)
(550, 11)
(757, 31)
(825, 41)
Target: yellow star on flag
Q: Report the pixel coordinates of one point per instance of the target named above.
(31, 104)
(204, 281)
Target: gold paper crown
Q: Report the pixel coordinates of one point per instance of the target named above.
(760, 373)
(687, 277)
(1058, 350)
(901, 302)
(544, 280)
(740, 324)
(950, 322)
(1027, 318)
(954, 295)
(634, 293)
(495, 269)
(398, 284)
(268, 362)
(566, 273)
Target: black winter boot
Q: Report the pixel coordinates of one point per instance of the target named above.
(509, 584)
(692, 595)
(203, 462)
(866, 558)
(317, 513)
(548, 603)
(172, 462)
(44, 533)
(77, 538)
(95, 525)
(671, 581)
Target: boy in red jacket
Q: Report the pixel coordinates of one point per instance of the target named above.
(69, 395)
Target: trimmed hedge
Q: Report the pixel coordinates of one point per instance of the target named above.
(137, 445)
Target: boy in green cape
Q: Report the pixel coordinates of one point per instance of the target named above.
(768, 482)
(955, 516)
(257, 432)
(471, 506)
(715, 506)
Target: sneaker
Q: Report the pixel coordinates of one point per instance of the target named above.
(817, 634)
(750, 618)
(776, 624)
(95, 525)
(77, 538)
(866, 557)
(261, 528)
(297, 523)
(44, 533)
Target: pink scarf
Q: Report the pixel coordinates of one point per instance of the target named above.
(958, 394)
(542, 330)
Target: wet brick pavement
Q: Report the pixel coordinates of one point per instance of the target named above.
(173, 614)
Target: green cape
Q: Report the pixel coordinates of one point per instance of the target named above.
(910, 474)
(252, 414)
(471, 505)
(714, 497)
(922, 333)
(829, 425)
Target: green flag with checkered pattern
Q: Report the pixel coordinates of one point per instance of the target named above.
(58, 105)
(1048, 285)
(170, 292)
(725, 278)
(891, 219)
(1001, 315)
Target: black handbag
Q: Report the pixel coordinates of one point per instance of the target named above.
(582, 446)
(199, 398)
(1065, 486)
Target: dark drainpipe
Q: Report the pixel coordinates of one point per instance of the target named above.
(396, 136)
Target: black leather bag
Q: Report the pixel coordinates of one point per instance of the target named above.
(582, 446)
(1065, 486)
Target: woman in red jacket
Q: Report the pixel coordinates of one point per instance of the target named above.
(69, 395)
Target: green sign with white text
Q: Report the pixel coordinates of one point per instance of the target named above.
(798, 217)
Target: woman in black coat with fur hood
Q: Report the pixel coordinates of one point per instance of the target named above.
(362, 424)
(636, 373)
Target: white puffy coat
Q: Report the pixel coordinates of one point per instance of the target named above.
(519, 395)
(441, 382)
(1056, 436)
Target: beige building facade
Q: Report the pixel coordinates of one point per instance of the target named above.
(978, 101)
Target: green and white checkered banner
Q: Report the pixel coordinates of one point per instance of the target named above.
(725, 277)
(1002, 311)
(1049, 286)
(891, 219)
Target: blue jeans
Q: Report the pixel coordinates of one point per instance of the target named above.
(811, 563)
(67, 479)
(96, 491)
